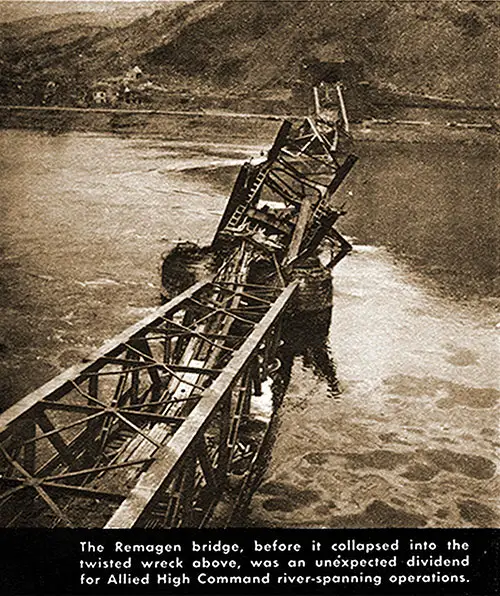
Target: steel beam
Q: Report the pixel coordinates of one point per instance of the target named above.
(170, 456)
(61, 384)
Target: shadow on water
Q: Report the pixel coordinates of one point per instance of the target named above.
(306, 335)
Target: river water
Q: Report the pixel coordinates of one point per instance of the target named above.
(412, 439)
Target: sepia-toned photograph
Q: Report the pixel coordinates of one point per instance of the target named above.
(249, 264)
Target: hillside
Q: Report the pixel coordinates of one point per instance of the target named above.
(444, 48)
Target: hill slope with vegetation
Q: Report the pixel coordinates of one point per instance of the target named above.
(444, 48)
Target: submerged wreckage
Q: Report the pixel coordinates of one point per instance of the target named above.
(166, 424)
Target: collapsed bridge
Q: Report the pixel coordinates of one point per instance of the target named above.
(165, 425)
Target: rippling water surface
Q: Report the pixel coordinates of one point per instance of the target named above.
(412, 439)
(86, 219)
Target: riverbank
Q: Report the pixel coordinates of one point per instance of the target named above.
(407, 125)
(174, 124)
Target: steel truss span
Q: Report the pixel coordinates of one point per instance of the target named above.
(152, 429)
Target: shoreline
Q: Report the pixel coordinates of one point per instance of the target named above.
(178, 123)
(149, 112)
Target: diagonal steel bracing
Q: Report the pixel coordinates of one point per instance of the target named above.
(88, 436)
